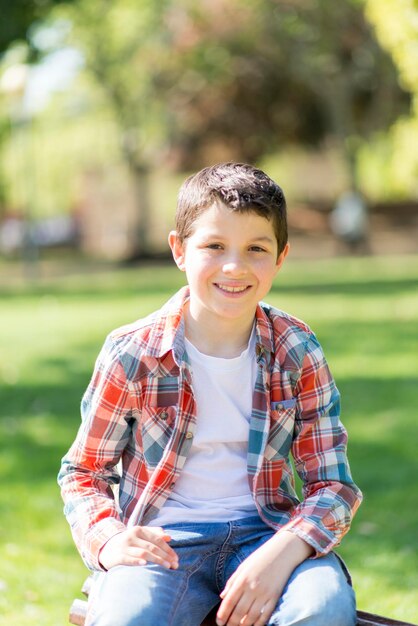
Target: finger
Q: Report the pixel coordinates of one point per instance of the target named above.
(240, 610)
(141, 556)
(149, 553)
(158, 530)
(258, 615)
(130, 559)
(228, 605)
(161, 557)
(166, 550)
(155, 545)
(157, 536)
(144, 558)
(263, 618)
(228, 585)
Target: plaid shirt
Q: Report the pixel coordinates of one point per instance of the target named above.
(139, 410)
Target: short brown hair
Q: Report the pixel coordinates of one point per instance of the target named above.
(239, 187)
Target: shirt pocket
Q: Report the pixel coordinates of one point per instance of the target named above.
(157, 425)
(282, 424)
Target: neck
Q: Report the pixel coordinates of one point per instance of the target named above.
(221, 338)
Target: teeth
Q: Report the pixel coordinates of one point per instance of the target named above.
(232, 289)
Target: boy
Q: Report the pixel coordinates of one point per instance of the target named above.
(202, 403)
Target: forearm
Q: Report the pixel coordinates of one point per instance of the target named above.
(290, 549)
(324, 516)
(319, 450)
(90, 510)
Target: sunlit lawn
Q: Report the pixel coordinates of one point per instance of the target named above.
(365, 312)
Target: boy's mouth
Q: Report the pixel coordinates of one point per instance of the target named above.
(232, 288)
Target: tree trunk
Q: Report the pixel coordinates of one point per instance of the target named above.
(338, 98)
(141, 186)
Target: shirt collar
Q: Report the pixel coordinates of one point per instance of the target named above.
(264, 332)
(167, 332)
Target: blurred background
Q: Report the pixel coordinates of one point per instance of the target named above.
(105, 107)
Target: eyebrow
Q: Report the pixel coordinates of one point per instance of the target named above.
(265, 238)
(217, 235)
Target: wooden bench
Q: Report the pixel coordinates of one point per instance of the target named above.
(79, 609)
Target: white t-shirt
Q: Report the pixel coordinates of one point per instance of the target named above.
(213, 484)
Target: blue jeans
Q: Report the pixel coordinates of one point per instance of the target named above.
(317, 594)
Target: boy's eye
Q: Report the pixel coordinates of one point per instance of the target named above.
(257, 249)
(214, 246)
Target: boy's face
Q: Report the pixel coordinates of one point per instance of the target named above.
(230, 260)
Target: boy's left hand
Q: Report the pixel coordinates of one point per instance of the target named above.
(251, 594)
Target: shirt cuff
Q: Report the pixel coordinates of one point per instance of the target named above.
(321, 540)
(97, 536)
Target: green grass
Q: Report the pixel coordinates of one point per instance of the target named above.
(365, 313)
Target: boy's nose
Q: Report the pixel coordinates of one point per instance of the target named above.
(235, 267)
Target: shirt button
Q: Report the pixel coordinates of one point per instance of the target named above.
(280, 406)
(189, 435)
(163, 415)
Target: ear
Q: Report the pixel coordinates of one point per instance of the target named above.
(177, 249)
(282, 256)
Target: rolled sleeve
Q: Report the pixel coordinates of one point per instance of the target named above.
(88, 471)
(330, 496)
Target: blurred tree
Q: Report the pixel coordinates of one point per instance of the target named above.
(262, 73)
(188, 82)
(396, 24)
(354, 81)
(17, 18)
(125, 43)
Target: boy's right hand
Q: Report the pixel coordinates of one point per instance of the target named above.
(137, 546)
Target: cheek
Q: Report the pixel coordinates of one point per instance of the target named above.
(197, 268)
(201, 263)
(266, 269)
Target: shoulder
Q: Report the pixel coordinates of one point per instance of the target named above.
(283, 324)
(282, 320)
(123, 348)
(148, 332)
(133, 332)
(293, 339)
(137, 346)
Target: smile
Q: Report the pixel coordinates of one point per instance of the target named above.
(230, 289)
